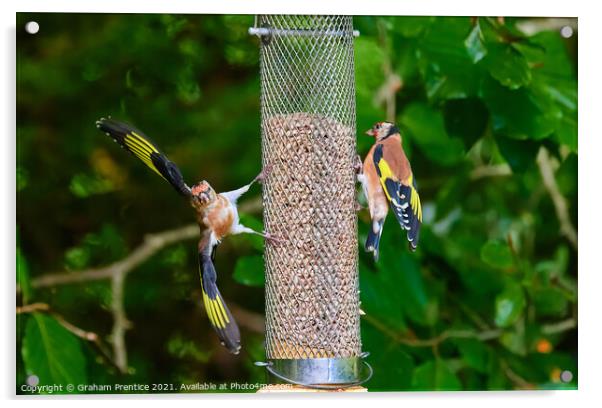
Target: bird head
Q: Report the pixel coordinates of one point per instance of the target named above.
(382, 130)
(202, 194)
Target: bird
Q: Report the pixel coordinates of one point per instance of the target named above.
(216, 215)
(387, 181)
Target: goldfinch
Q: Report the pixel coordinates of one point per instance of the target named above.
(388, 181)
(378, 205)
(216, 215)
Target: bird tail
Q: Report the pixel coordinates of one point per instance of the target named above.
(414, 234)
(219, 315)
(373, 239)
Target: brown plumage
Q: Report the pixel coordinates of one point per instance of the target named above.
(388, 180)
(395, 156)
(377, 202)
(216, 214)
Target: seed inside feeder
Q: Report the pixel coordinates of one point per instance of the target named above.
(309, 202)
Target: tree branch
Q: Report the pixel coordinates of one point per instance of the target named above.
(514, 377)
(534, 26)
(252, 321)
(496, 170)
(151, 245)
(81, 333)
(120, 322)
(118, 271)
(483, 335)
(546, 169)
(559, 327)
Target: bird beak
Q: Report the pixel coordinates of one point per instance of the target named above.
(370, 132)
(202, 198)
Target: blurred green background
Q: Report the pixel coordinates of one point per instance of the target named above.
(487, 108)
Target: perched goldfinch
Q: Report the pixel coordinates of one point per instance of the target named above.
(387, 180)
(377, 202)
(216, 215)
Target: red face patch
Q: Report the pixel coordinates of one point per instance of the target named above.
(200, 188)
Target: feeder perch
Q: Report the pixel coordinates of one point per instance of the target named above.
(308, 139)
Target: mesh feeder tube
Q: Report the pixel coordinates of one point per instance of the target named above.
(308, 140)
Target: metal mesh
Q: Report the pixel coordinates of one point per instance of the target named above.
(308, 137)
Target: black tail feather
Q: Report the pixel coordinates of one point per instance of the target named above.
(373, 240)
(414, 234)
(219, 315)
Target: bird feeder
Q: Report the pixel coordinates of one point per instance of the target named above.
(308, 140)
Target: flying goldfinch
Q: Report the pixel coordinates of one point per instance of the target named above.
(216, 215)
(387, 180)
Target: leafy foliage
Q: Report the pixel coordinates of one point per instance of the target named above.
(485, 303)
(51, 353)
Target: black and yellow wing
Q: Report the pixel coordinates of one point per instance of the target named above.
(219, 315)
(135, 142)
(402, 196)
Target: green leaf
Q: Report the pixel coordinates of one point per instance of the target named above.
(474, 353)
(173, 24)
(517, 113)
(497, 254)
(77, 258)
(435, 375)
(411, 26)
(175, 256)
(465, 119)
(550, 302)
(187, 87)
(444, 62)
(404, 60)
(515, 342)
(566, 131)
(474, 45)
(427, 128)
(509, 305)
(393, 366)
(555, 80)
(181, 347)
(52, 353)
(23, 276)
(22, 178)
(369, 58)
(508, 66)
(519, 154)
(249, 271)
(85, 185)
(377, 300)
(412, 294)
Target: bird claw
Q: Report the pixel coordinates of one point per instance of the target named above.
(271, 238)
(358, 165)
(265, 172)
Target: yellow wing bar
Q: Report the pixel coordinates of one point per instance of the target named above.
(142, 149)
(415, 199)
(215, 310)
